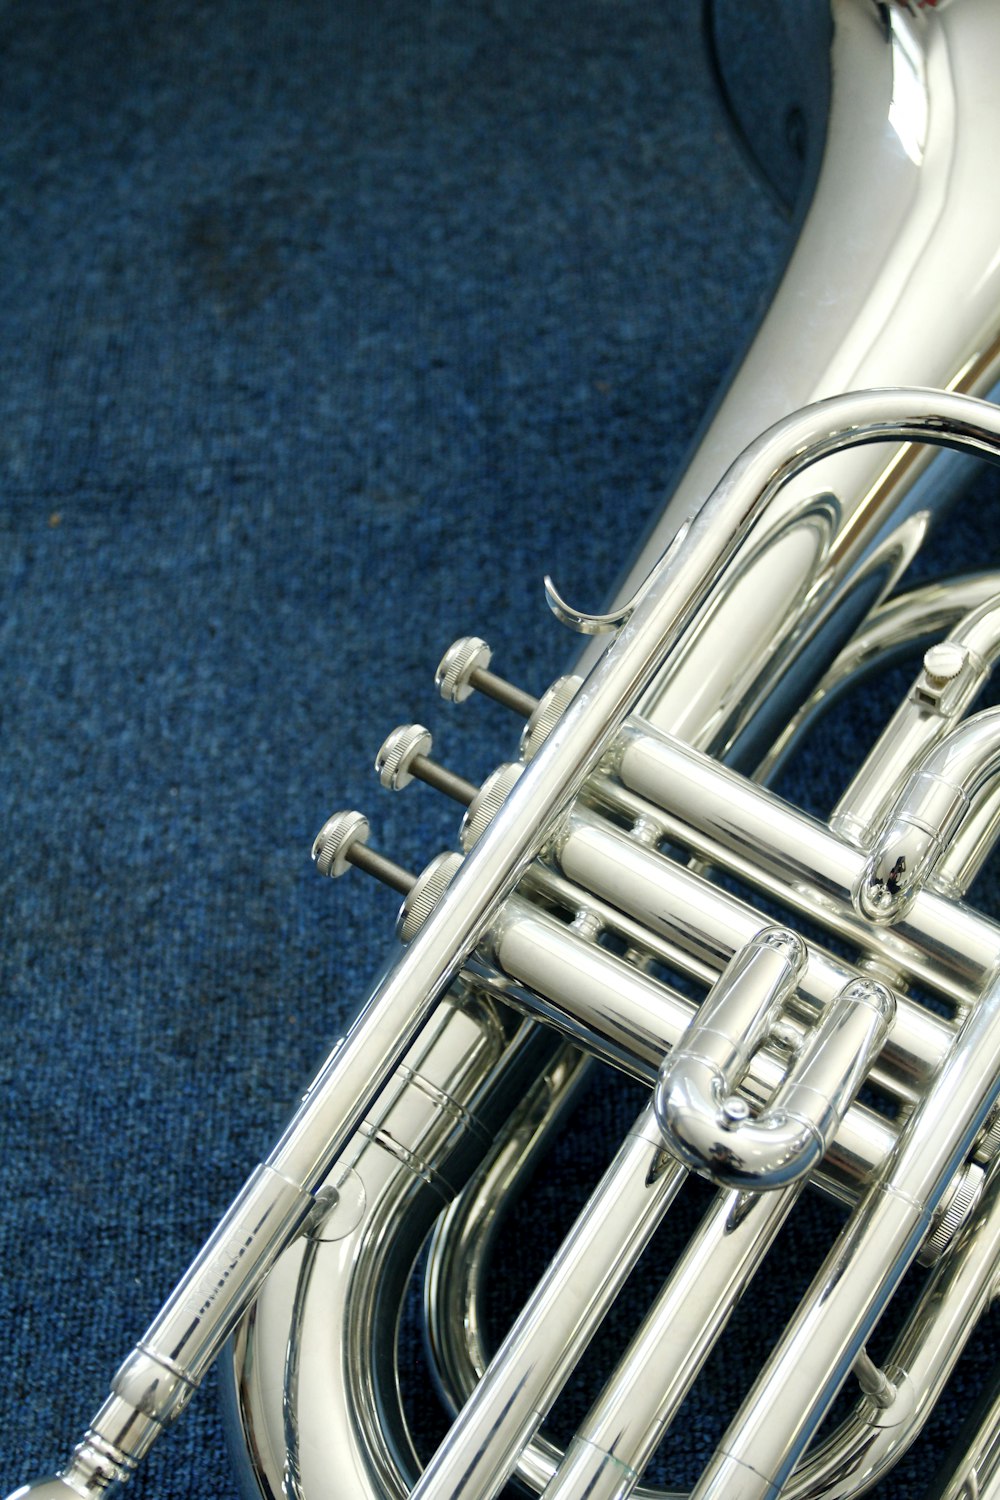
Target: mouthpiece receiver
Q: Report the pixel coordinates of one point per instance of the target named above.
(137, 1411)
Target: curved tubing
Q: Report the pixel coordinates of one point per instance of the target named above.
(929, 712)
(943, 793)
(664, 605)
(758, 1154)
(330, 1310)
(624, 1427)
(739, 826)
(704, 1123)
(902, 623)
(925, 301)
(781, 1413)
(708, 1126)
(177, 1348)
(162, 1372)
(956, 1296)
(790, 1137)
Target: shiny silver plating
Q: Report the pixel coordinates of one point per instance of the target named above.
(203, 1310)
(944, 793)
(953, 671)
(709, 1127)
(720, 638)
(759, 1452)
(900, 187)
(494, 1429)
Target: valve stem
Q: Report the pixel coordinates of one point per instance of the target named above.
(385, 870)
(464, 669)
(343, 841)
(405, 757)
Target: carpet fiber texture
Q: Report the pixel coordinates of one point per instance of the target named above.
(325, 331)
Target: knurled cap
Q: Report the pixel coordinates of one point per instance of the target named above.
(944, 661)
(551, 707)
(398, 752)
(458, 664)
(335, 839)
(487, 803)
(428, 888)
(957, 1208)
(988, 1143)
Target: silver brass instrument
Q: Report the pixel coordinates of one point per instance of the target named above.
(594, 893)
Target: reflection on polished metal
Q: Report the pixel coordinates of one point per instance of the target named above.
(157, 1379)
(943, 794)
(907, 620)
(586, 898)
(954, 670)
(708, 1126)
(545, 1343)
(927, 303)
(405, 755)
(861, 1272)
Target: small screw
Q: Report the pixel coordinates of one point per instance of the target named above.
(944, 662)
(734, 1111)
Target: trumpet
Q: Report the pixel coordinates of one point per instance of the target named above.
(808, 1006)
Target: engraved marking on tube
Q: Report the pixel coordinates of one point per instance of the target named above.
(214, 1278)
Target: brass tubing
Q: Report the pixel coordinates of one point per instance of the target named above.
(743, 828)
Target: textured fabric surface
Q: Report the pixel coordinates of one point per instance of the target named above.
(324, 332)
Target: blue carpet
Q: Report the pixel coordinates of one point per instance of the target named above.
(324, 333)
